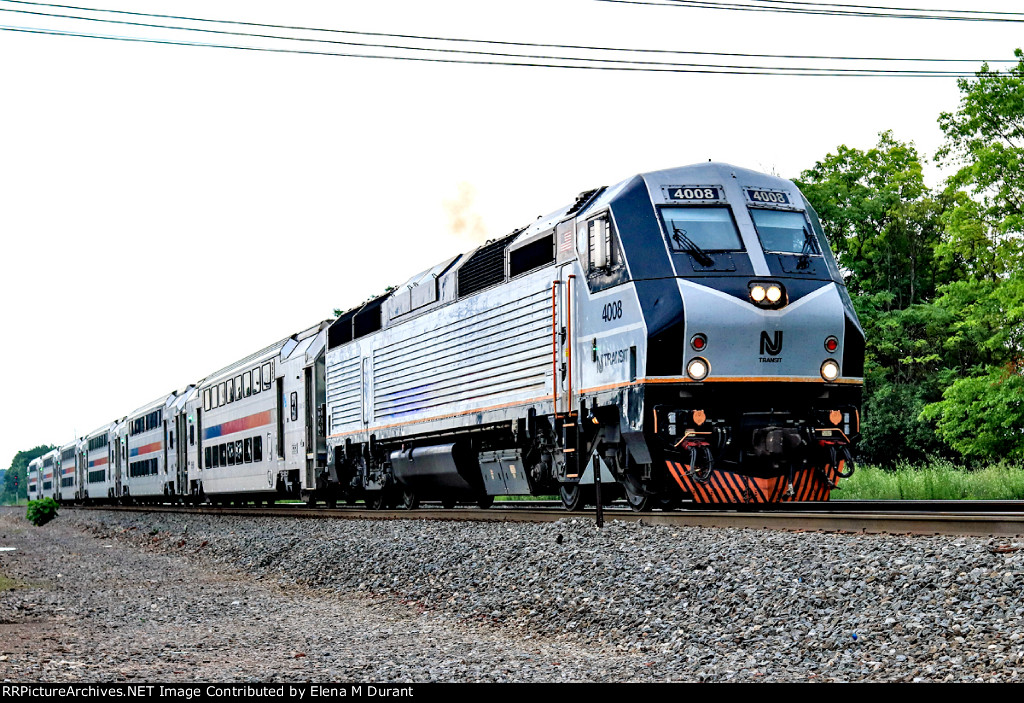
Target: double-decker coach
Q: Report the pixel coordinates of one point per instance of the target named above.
(99, 480)
(47, 469)
(67, 472)
(32, 478)
(250, 429)
(144, 450)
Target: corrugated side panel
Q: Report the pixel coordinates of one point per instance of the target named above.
(343, 393)
(498, 353)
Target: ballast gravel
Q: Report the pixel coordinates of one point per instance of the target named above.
(106, 596)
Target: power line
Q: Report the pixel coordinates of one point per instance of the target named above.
(471, 52)
(428, 38)
(886, 7)
(835, 10)
(697, 68)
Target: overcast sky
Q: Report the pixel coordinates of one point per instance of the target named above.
(169, 209)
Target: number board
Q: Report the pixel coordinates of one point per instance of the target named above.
(767, 197)
(698, 193)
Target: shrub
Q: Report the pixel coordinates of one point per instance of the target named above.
(41, 511)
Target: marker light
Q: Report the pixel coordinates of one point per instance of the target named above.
(774, 294)
(831, 344)
(698, 342)
(830, 370)
(698, 369)
(757, 294)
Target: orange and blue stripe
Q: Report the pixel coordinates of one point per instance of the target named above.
(239, 425)
(146, 448)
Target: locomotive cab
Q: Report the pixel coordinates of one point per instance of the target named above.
(752, 355)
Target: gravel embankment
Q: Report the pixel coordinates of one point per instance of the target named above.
(560, 601)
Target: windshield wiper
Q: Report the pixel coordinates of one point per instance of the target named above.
(690, 247)
(810, 247)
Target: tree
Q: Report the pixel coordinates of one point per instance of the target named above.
(15, 483)
(880, 219)
(985, 140)
(981, 413)
(884, 225)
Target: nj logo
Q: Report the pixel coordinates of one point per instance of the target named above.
(772, 346)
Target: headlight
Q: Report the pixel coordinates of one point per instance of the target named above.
(767, 294)
(698, 369)
(830, 370)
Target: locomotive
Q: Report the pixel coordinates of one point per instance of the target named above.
(683, 335)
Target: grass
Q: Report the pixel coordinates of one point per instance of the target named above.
(939, 480)
(9, 584)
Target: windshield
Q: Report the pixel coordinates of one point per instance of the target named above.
(785, 232)
(700, 228)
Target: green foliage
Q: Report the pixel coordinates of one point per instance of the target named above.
(937, 278)
(985, 138)
(880, 218)
(938, 480)
(15, 484)
(884, 225)
(41, 511)
(982, 416)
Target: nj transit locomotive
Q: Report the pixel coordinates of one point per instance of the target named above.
(682, 335)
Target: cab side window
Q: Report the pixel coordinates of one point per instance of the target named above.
(600, 253)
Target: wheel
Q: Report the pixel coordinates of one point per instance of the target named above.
(375, 500)
(484, 502)
(637, 500)
(572, 497)
(410, 501)
(668, 504)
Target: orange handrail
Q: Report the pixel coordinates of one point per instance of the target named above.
(568, 342)
(554, 347)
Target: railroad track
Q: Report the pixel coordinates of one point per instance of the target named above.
(973, 518)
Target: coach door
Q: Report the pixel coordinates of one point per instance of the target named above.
(121, 453)
(182, 451)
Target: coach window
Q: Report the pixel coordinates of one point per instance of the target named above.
(208, 464)
(257, 448)
(231, 390)
(206, 400)
(247, 450)
(293, 401)
(192, 435)
(223, 393)
(212, 462)
(238, 388)
(266, 376)
(238, 451)
(247, 383)
(223, 451)
(256, 380)
(231, 453)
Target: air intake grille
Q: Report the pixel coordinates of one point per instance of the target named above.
(485, 268)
